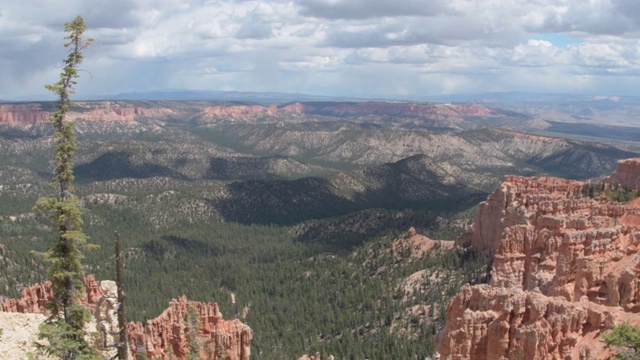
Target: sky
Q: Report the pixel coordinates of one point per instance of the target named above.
(357, 48)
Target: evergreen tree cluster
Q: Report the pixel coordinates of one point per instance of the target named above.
(336, 292)
(625, 339)
(606, 191)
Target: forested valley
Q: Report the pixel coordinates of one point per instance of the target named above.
(292, 230)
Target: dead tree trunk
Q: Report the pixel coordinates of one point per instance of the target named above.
(123, 353)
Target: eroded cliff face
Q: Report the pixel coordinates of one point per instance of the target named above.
(446, 112)
(23, 115)
(627, 173)
(165, 337)
(239, 112)
(34, 298)
(439, 115)
(565, 269)
(113, 111)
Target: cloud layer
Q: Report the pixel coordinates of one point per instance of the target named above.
(333, 47)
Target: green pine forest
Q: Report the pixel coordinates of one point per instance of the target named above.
(306, 290)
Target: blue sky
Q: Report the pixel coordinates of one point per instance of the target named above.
(559, 40)
(363, 48)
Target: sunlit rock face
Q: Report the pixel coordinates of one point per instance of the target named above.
(165, 337)
(24, 115)
(565, 268)
(34, 298)
(627, 173)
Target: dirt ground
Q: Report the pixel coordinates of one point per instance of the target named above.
(19, 331)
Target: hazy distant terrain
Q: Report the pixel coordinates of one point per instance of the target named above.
(615, 119)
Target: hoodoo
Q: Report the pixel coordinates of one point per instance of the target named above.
(165, 337)
(565, 269)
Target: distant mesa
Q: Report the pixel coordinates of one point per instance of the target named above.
(451, 112)
(455, 116)
(27, 114)
(22, 115)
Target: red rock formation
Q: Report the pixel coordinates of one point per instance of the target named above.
(34, 298)
(627, 173)
(474, 109)
(23, 115)
(565, 268)
(451, 112)
(112, 111)
(299, 108)
(165, 336)
(236, 112)
(446, 115)
(254, 112)
(487, 322)
(418, 244)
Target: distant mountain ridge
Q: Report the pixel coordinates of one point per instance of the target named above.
(406, 114)
(594, 117)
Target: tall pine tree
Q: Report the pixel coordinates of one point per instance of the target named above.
(64, 330)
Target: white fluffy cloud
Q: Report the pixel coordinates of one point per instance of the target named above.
(345, 47)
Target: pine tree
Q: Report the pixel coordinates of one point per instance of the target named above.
(192, 326)
(65, 328)
(626, 338)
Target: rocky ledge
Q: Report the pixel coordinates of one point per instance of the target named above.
(565, 269)
(627, 173)
(165, 337)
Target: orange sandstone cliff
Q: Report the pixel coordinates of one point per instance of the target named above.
(565, 268)
(165, 337)
(453, 112)
(22, 114)
(113, 111)
(432, 114)
(627, 173)
(27, 114)
(34, 298)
